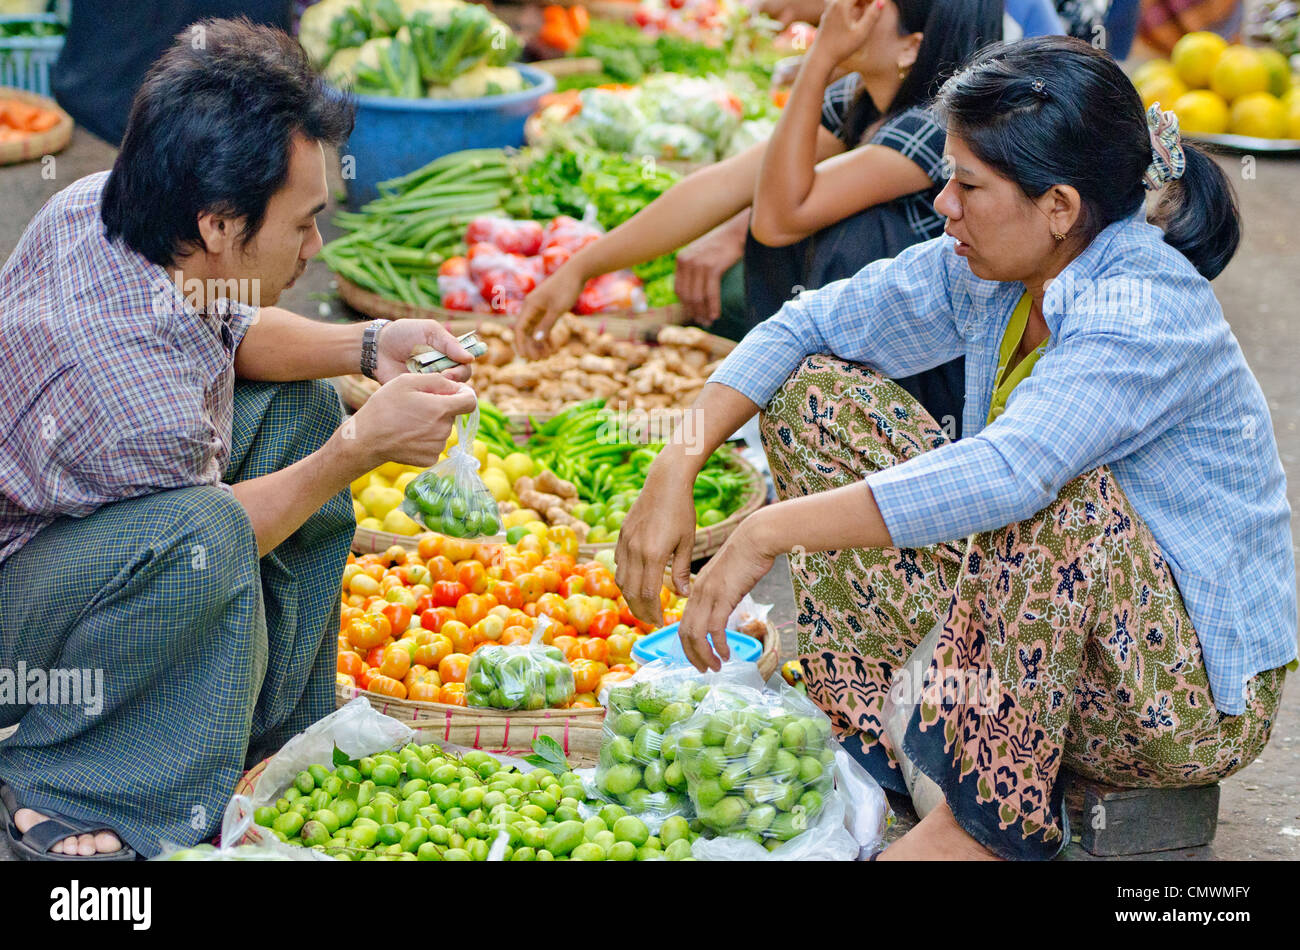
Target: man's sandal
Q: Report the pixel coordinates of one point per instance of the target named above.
(36, 843)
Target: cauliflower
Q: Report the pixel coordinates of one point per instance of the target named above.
(480, 81)
(439, 11)
(316, 27)
(342, 68)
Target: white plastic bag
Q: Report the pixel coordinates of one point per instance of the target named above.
(356, 730)
(900, 703)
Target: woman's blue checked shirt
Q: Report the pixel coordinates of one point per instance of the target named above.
(1141, 373)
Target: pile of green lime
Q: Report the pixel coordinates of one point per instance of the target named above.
(518, 677)
(755, 767)
(637, 765)
(421, 803)
(447, 506)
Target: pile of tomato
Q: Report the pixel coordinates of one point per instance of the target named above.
(412, 618)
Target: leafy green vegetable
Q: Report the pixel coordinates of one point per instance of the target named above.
(549, 755)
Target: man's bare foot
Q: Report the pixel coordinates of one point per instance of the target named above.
(104, 842)
(937, 837)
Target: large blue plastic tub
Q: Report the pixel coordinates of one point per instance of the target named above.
(395, 136)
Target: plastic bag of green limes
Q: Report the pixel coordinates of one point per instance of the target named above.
(529, 676)
(450, 498)
(757, 763)
(638, 766)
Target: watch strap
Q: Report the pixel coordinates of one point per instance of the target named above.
(370, 347)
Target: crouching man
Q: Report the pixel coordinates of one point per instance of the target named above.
(174, 513)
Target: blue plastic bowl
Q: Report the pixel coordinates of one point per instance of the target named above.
(395, 136)
(665, 645)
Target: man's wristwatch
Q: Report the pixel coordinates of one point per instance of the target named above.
(370, 347)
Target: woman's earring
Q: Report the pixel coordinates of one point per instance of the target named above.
(902, 72)
(1058, 235)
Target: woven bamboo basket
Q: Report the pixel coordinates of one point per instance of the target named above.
(38, 143)
(707, 540)
(578, 731)
(373, 305)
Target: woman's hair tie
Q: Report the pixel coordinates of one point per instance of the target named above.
(1168, 161)
(1040, 87)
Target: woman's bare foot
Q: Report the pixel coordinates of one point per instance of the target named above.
(104, 842)
(937, 837)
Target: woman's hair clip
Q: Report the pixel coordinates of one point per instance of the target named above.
(1039, 87)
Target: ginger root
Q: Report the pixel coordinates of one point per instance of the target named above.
(548, 481)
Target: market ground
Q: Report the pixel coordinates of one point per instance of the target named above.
(1259, 816)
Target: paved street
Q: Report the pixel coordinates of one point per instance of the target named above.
(1260, 810)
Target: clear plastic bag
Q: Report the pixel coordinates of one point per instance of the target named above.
(636, 767)
(234, 824)
(527, 676)
(450, 498)
(757, 763)
(356, 730)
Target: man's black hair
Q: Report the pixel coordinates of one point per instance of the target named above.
(210, 131)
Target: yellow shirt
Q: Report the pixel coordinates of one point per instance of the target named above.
(1007, 379)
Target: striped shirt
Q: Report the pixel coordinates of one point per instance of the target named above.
(111, 384)
(1141, 373)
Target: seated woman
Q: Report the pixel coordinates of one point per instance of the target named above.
(1107, 552)
(880, 153)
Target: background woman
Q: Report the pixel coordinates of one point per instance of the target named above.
(880, 154)
(1104, 554)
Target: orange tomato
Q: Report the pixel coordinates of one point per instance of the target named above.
(457, 549)
(413, 676)
(532, 586)
(472, 608)
(489, 628)
(433, 652)
(620, 646)
(562, 561)
(423, 692)
(355, 600)
(610, 678)
(603, 624)
(508, 594)
(562, 539)
(387, 686)
(529, 543)
(550, 578)
(594, 649)
(350, 664)
(375, 657)
(349, 613)
(343, 679)
(363, 584)
(600, 583)
(399, 617)
(512, 636)
(531, 609)
(587, 674)
(473, 575)
(512, 568)
(364, 634)
(553, 606)
(666, 597)
(374, 570)
(453, 668)
(453, 694)
(567, 645)
(461, 639)
(396, 554)
(381, 622)
(489, 553)
(584, 701)
(414, 574)
(441, 569)
(395, 661)
(628, 668)
(430, 546)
